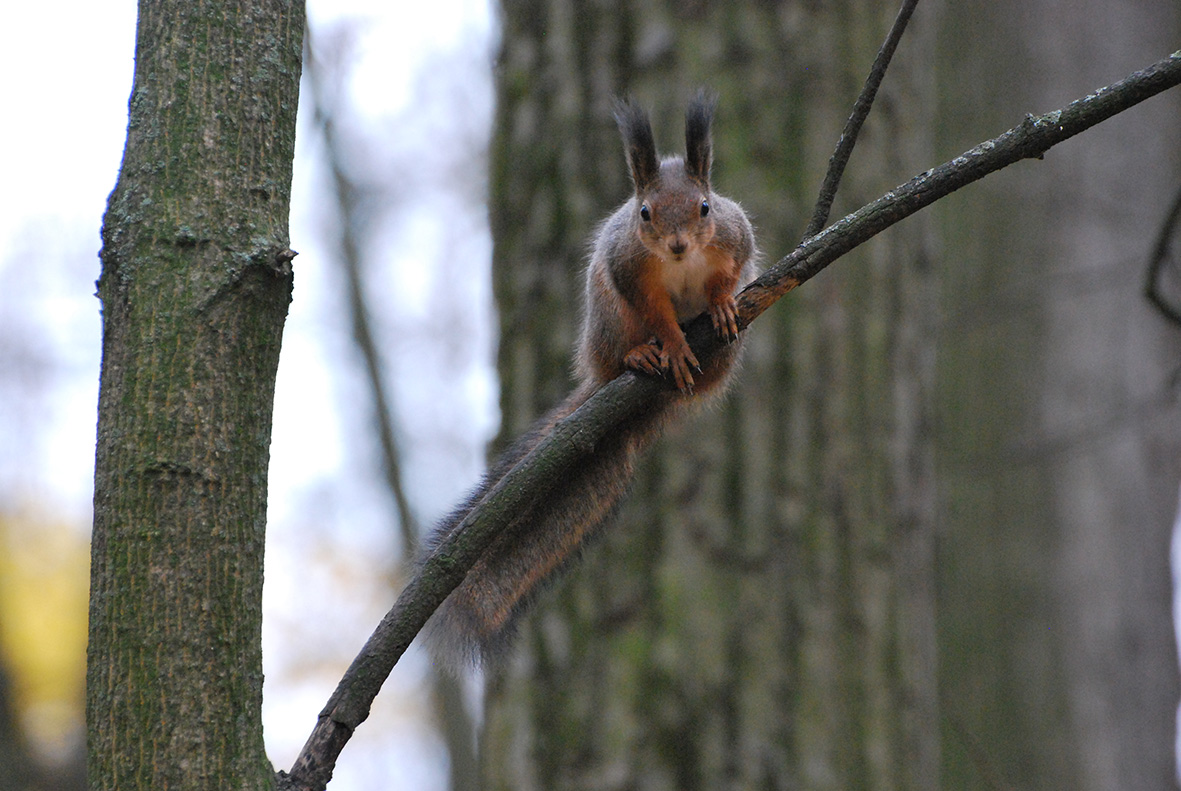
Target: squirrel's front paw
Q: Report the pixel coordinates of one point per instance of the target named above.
(652, 358)
(681, 375)
(680, 361)
(646, 358)
(724, 315)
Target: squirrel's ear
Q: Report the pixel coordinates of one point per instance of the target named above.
(638, 143)
(698, 151)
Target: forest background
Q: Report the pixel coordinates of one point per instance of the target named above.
(1067, 371)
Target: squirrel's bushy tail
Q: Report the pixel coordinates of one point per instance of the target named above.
(477, 621)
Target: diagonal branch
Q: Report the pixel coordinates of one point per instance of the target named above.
(1154, 289)
(349, 197)
(574, 438)
(455, 724)
(1028, 140)
(861, 108)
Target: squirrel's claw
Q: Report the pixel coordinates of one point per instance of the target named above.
(681, 363)
(645, 357)
(651, 358)
(682, 377)
(724, 316)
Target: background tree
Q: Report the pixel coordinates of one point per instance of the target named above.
(763, 613)
(831, 554)
(195, 286)
(766, 606)
(19, 771)
(1059, 445)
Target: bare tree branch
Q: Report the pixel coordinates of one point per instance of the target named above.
(575, 438)
(1154, 288)
(455, 724)
(861, 108)
(1028, 140)
(349, 198)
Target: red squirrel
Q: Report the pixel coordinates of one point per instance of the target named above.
(674, 250)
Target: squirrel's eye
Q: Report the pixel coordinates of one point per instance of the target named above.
(645, 215)
(704, 208)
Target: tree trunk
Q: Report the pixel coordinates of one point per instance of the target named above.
(1061, 454)
(195, 285)
(762, 613)
(19, 770)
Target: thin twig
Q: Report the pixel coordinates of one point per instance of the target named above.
(861, 108)
(1160, 254)
(574, 438)
(349, 198)
(1029, 140)
(455, 722)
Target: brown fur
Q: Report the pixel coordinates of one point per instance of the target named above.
(658, 261)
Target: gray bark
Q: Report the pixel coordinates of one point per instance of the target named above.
(195, 285)
(761, 616)
(1060, 451)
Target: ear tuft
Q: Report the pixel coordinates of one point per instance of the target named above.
(638, 143)
(698, 147)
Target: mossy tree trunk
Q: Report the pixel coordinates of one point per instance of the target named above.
(195, 285)
(762, 613)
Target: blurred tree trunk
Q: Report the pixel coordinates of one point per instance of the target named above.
(195, 285)
(1060, 457)
(19, 770)
(19, 773)
(762, 614)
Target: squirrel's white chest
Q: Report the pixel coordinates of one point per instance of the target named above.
(685, 282)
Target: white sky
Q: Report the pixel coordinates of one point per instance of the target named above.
(67, 75)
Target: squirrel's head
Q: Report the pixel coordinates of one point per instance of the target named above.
(672, 205)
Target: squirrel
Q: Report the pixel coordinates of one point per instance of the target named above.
(674, 250)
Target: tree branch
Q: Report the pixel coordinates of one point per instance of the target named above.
(1154, 288)
(349, 198)
(861, 108)
(455, 724)
(1028, 140)
(574, 438)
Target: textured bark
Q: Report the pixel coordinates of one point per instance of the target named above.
(762, 614)
(195, 285)
(1061, 454)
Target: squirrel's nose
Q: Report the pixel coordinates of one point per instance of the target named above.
(677, 246)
